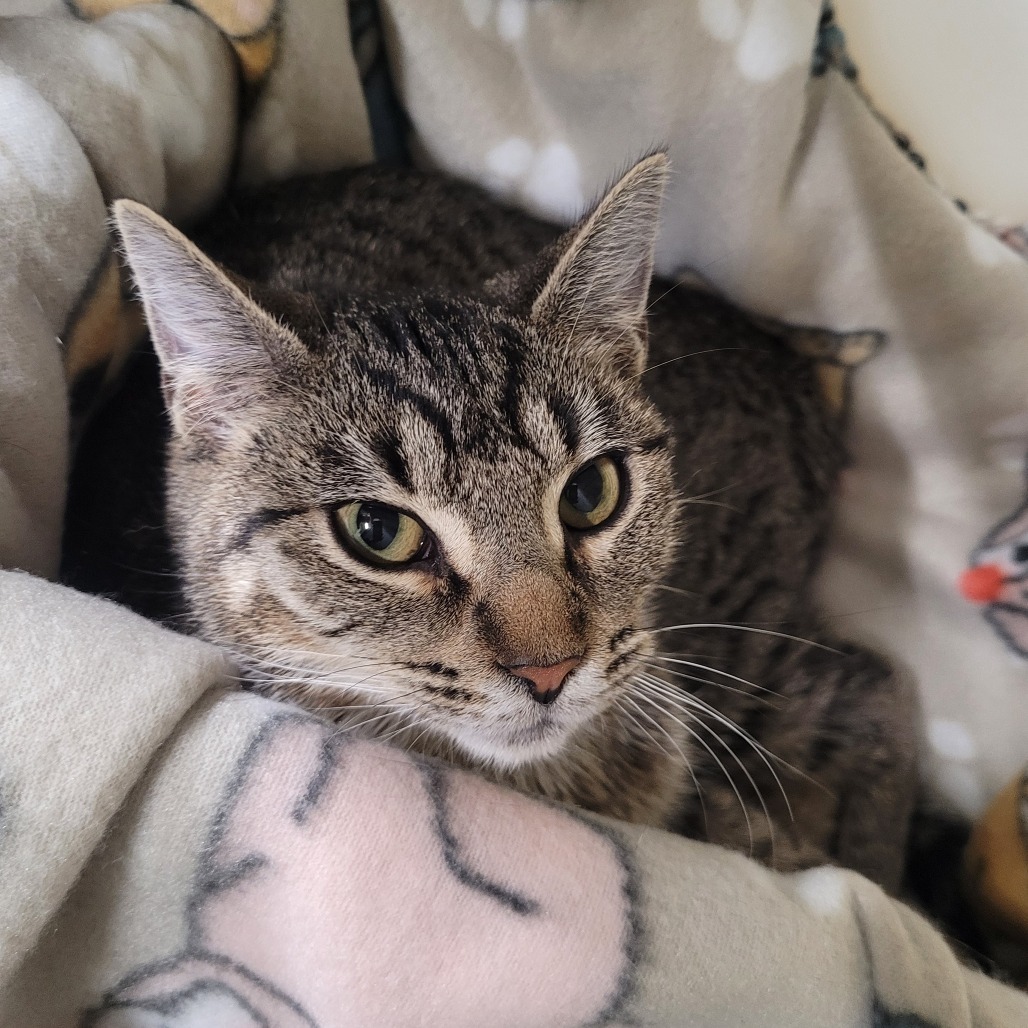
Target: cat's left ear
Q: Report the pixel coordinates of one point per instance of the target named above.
(598, 290)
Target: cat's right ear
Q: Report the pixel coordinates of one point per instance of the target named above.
(215, 345)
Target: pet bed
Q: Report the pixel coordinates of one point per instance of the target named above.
(178, 852)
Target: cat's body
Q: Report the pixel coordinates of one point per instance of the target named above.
(470, 400)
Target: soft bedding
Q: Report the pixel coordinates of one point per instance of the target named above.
(176, 851)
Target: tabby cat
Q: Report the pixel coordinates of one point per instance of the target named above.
(446, 477)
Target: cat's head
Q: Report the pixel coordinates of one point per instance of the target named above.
(441, 512)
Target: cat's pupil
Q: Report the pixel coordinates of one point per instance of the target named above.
(1021, 553)
(585, 490)
(377, 525)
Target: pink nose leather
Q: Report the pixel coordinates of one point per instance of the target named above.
(545, 682)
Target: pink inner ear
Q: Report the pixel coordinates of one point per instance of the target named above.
(216, 336)
(170, 346)
(212, 340)
(200, 407)
(211, 357)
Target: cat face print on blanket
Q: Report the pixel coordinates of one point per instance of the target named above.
(997, 578)
(296, 919)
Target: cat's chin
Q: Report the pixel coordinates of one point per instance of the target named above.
(511, 750)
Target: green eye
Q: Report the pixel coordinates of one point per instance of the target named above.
(591, 495)
(381, 535)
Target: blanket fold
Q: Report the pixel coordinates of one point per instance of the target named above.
(174, 847)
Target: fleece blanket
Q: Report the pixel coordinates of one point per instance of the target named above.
(185, 854)
(176, 851)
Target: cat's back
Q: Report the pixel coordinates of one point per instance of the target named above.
(371, 230)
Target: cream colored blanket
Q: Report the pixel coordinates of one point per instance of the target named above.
(176, 852)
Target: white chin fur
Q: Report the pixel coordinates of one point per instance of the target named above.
(510, 754)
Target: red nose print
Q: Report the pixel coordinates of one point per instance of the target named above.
(981, 584)
(545, 682)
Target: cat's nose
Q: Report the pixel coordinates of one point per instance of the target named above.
(982, 584)
(544, 681)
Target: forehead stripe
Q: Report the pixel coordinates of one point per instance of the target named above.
(400, 332)
(388, 449)
(388, 383)
(657, 442)
(511, 348)
(564, 414)
(256, 522)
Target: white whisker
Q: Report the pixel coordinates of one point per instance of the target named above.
(715, 671)
(714, 757)
(414, 742)
(344, 727)
(674, 589)
(403, 728)
(709, 681)
(662, 729)
(742, 766)
(749, 628)
(696, 703)
(695, 353)
(671, 739)
(711, 503)
(642, 728)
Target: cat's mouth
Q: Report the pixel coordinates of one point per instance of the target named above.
(532, 732)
